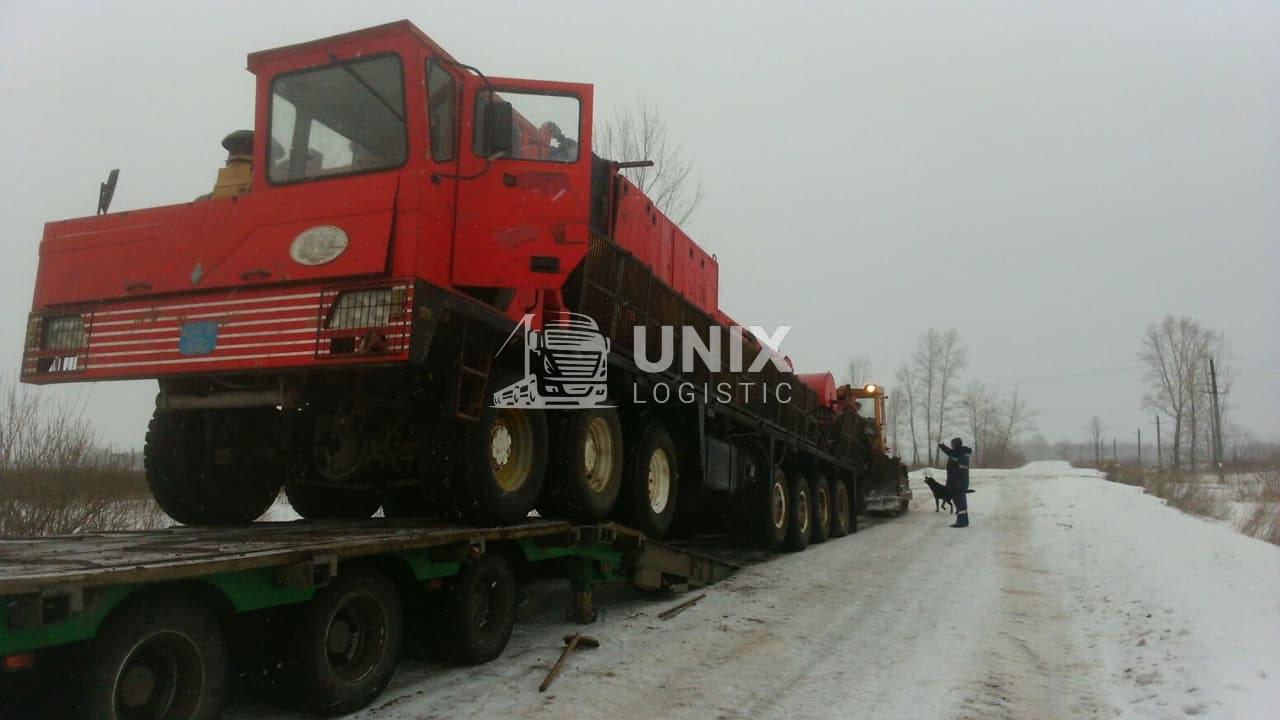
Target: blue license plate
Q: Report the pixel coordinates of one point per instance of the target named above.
(198, 338)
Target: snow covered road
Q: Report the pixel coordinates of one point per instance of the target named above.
(1069, 597)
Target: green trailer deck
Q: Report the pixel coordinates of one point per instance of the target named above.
(59, 591)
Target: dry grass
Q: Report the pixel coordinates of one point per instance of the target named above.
(42, 502)
(55, 476)
(1188, 494)
(1262, 492)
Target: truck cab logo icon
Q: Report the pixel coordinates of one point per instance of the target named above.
(566, 364)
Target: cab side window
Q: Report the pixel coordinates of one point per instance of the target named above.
(442, 111)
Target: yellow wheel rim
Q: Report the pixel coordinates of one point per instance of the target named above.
(598, 455)
(511, 449)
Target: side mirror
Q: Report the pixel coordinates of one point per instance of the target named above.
(498, 125)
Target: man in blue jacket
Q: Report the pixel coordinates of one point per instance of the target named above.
(958, 478)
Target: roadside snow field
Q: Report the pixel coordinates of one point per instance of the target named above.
(1070, 597)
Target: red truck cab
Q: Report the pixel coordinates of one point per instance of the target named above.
(389, 188)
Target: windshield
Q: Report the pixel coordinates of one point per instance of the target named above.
(866, 407)
(336, 120)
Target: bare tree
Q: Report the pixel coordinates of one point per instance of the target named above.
(938, 359)
(639, 133)
(1015, 419)
(906, 380)
(859, 372)
(1095, 430)
(979, 408)
(995, 426)
(55, 477)
(1176, 352)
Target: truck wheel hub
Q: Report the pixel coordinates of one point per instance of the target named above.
(659, 481)
(597, 461)
(500, 446)
(802, 511)
(160, 679)
(511, 449)
(779, 504)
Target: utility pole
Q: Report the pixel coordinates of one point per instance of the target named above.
(1159, 453)
(1115, 459)
(1217, 422)
(1139, 448)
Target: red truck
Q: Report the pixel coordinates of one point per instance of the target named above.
(331, 318)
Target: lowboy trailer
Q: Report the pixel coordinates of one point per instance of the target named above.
(146, 625)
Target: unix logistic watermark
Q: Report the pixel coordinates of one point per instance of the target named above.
(566, 365)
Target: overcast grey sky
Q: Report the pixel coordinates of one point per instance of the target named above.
(1047, 177)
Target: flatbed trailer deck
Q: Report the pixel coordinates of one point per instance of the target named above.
(329, 580)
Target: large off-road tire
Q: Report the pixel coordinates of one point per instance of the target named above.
(651, 483)
(586, 465)
(407, 501)
(505, 459)
(213, 467)
(320, 502)
(841, 509)
(347, 642)
(800, 524)
(480, 611)
(820, 512)
(154, 661)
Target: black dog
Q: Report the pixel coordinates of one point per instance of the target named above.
(941, 495)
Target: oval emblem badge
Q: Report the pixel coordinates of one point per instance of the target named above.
(318, 245)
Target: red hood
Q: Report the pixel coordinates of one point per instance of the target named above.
(215, 243)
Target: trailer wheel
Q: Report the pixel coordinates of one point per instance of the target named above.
(820, 497)
(157, 661)
(480, 611)
(318, 502)
(653, 482)
(505, 464)
(587, 466)
(211, 467)
(840, 509)
(800, 524)
(348, 642)
(768, 510)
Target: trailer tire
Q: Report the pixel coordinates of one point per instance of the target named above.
(158, 660)
(652, 482)
(480, 611)
(318, 502)
(348, 641)
(820, 514)
(800, 524)
(770, 510)
(841, 512)
(586, 475)
(190, 486)
(506, 462)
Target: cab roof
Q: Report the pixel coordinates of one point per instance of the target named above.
(398, 29)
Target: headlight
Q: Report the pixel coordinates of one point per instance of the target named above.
(64, 333)
(370, 308)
